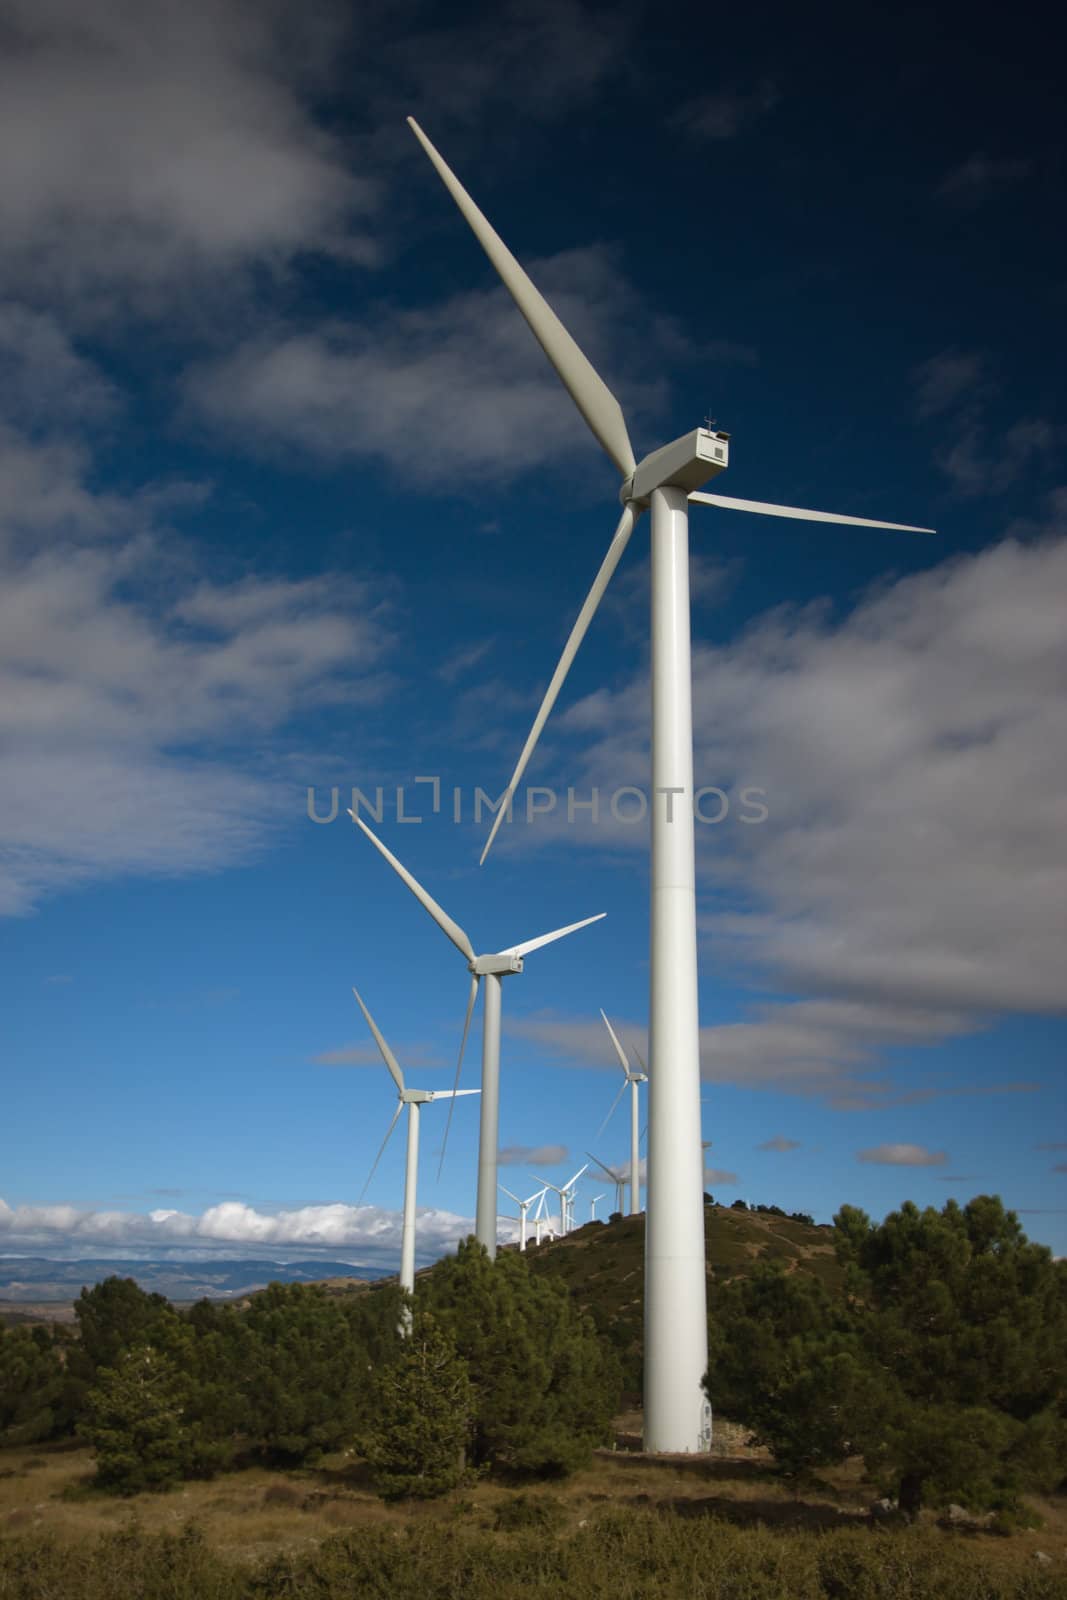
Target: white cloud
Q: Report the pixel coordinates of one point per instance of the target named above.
(540, 1155)
(979, 176)
(369, 1231)
(779, 1143)
(725, 1180)
(140, 145)
(908, 884)
(542, 56)
(725, 114)
(981, 459)
(458, 386)
(903, 1155)
(44, 381)
(368, 1055)
(122, 678)
(949, 379)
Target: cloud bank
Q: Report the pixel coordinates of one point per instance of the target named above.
(366, 1234)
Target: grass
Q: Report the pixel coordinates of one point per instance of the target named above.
(621, 1554)
(630, 1526)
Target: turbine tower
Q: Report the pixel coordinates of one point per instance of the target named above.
(566, 1198)
(677, 1416)
(492, 969)
(524, 1206)
(631, 1080)
(414, 1099)
(617, 1177)
(539, 1220)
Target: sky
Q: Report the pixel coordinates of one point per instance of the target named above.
(291, 504)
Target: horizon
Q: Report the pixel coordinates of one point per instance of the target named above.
(293, 507)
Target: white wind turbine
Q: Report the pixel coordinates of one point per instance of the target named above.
(492, 969)
(567, 1197)
(414, 1099)
(539, 1220)
(631, 1080)
(677, 1416)
(618, 1178)
(524, 1206)
(593, 1206)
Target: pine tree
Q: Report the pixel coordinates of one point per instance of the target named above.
(33, 1387)
(136, 1423)
(545, 1385)
(423, 1405)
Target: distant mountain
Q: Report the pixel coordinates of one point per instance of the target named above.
(37, 1280)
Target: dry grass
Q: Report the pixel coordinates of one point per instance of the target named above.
(254, 1514)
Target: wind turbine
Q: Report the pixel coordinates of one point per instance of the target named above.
(593, 1205)
(631, 1080)
(491, 968)
(540, 1221)
(414, 1099)
(566, 1197)
(524, 1206)
(618, 1179)
(677, 1416)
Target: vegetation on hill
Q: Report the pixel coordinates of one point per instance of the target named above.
(934, 1345)
(943, 1361)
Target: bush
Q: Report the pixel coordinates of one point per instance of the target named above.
(529, 1511)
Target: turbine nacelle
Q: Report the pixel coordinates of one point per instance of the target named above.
(500, 965)
(685, 463)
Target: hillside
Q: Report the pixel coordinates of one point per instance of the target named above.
(602, 1265)
(34, 1288)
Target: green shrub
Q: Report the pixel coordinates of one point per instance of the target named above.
(529, 1511)
(423, 1407)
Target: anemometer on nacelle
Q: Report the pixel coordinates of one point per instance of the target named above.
(685, 463)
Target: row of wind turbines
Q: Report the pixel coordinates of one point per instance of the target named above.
(415, 1099)
(677, 1416)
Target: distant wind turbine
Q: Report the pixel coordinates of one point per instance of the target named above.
(540, 1221)
(414, 1099)
(524, 1206)
(631, 1080)
(618, 1178)
(566, 1198)
(491, 968)
(677, 1414)
(593, 1206)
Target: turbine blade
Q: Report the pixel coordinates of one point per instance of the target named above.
(426, 900)
(625, 1085)
(472, 995)
(765, 509)
(387, 1055)
(381, 1151)
(577, 1175)
(614, 1176)
(554, 1187)
(509, 1194)
(550, 938)
(620, 540)
(619, 1051)
(583, 383)
(641, 1062)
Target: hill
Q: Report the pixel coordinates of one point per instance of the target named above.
(35, 1286)
(602, 1265)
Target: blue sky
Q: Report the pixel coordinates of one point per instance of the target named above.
(291, 500)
